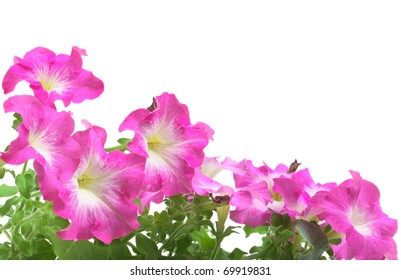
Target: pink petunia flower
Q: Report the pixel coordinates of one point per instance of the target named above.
(45, 136)
(98, 198)
(172, 146)
(251, 205)
(254, 197)
(297, 190)
(353, 209)
(54, 77)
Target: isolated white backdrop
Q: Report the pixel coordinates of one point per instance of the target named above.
(318, 81)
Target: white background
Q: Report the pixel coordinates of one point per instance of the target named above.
(318, 81)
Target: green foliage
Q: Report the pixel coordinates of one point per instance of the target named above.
(25, 184)
(79, 250)
(7, 206)
(147, 247)
(314, 235)
(251, 230)
(7, 191)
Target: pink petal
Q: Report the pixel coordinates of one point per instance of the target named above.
(370, 248)
(204, 186)
(251, 205)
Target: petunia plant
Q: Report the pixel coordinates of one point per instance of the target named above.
(65, 195)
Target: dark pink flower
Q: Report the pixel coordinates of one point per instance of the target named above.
(45, 136)
(54, 77)
(353, 209)
(251, 204)
(172, 146)
(98, 198)
(254, 197)
(297, 190)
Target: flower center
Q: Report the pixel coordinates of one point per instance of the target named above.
(47, 82)
(276, 196)
(50, 81)
(360, 222)
(153, 143)
(84, 181)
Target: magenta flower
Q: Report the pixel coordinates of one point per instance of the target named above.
(98, 198)
(45, 136)
(251, 205)
(353, 209)
(172, 146)
(54, 77)
(297, 190)
(254, 197)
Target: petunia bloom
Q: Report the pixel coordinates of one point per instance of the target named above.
(251, 204)
(54, 77)
(98, 198)
(172, 146)
(353, 210)
(45, 136)
(253, 196)
(297, 190)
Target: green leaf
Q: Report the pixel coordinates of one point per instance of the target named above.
(251, 230)
(280, 220)
(6, 191)
(206, 243)
(229, 230)
(2, 171)
(147, 247)
(182, 246)
(17, 121)
(43, 250)
(283, 235)
(312, 233)
(23, 245)
(124, 141)
(4, 251)
(335, 241)
(118, 250)
(236, 254)
(79, 250)
(7, 206)
(18, 216)
(25, 184)
(40, 205)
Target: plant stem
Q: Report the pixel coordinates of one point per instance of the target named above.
(28, 219)
(24, 167)
(36, 194)
(7, 234)
(216, 248)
